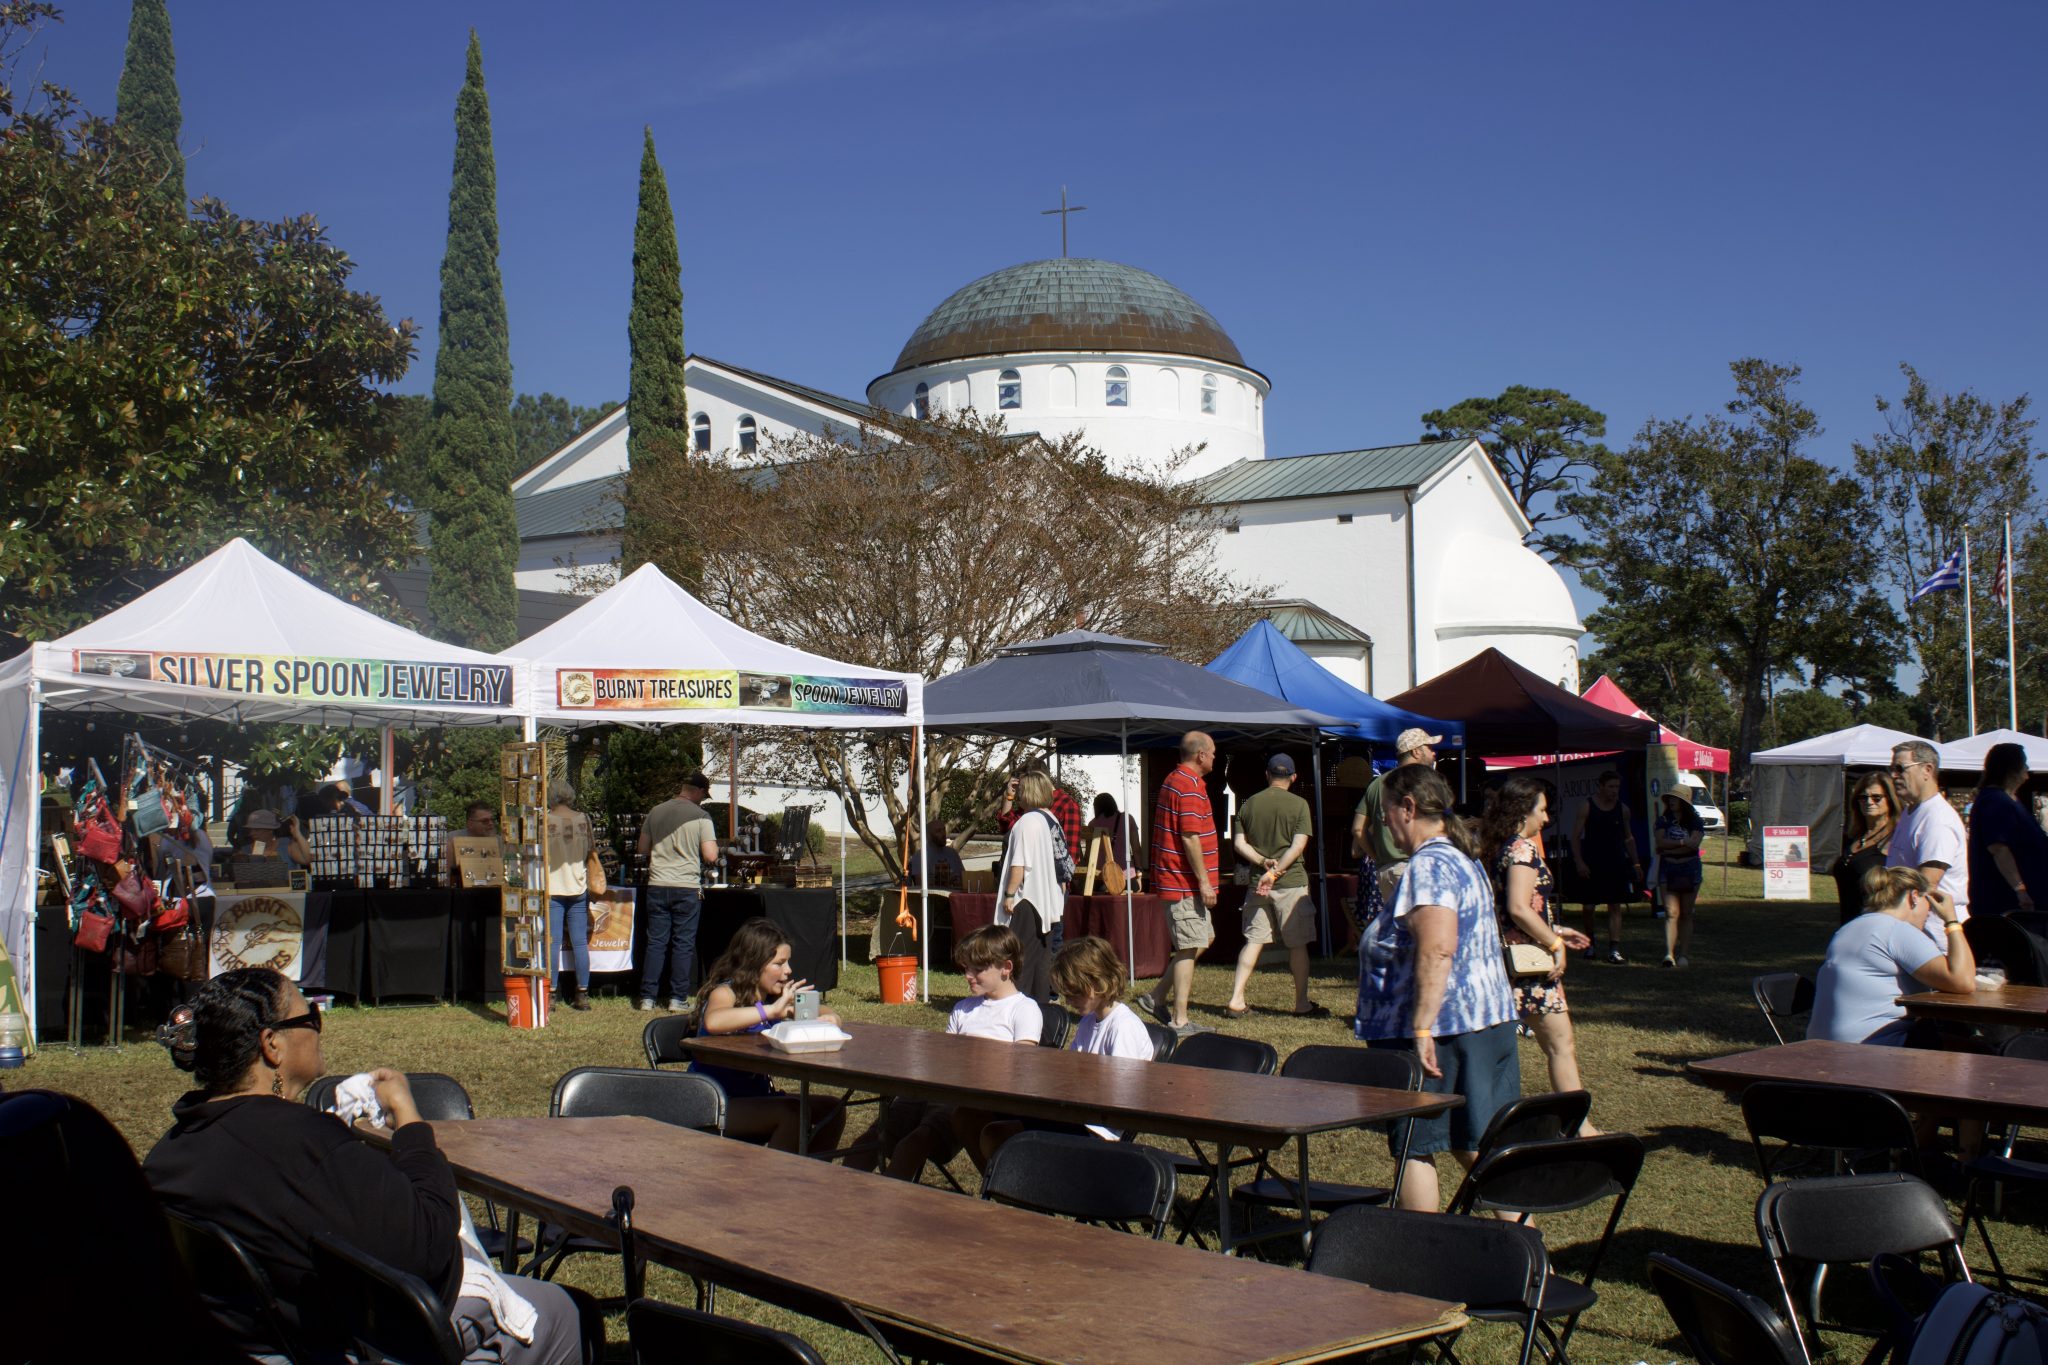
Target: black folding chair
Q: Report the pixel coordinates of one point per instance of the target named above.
(683, 1098)
(1164, 1040)
(1721, 1325)
(1537, 1118)
(2001, 1168)
(391, 1314)
(229, 1279)
(1214, 1052)
(1850, 1219)
(2000, 939)
(1379, 1068)
(1497, 1270)
(661, 1038)
(1084, 1178)
(1782, 996)
(1849, 1123)
(1058, 1026)
(663, 1334)
(1528, 1178)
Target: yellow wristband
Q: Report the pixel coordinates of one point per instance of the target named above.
(1424, 1033)
(1952, 927)
(1553, 946)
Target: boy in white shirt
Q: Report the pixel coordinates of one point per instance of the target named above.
(997, 1011)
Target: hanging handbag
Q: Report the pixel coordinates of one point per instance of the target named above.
(594, 882)
(137, 895)
(95, 927)
(135, 957)
(184, 956)
(1526, 960)
(99, 834)
(173, 915)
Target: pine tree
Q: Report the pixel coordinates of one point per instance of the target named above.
(475, 534)
(146, 103)
(657, 409)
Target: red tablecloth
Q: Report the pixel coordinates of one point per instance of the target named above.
(1100, 915)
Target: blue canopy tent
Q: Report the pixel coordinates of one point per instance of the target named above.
(1087, 686)
(1266, 659)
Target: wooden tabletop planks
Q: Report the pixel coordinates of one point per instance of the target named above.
(1959, 1084)
(2008, 1007)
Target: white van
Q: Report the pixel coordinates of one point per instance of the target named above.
(1702, 806)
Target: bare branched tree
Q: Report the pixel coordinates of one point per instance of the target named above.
(926, 547)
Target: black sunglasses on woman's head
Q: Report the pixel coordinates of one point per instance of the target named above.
(310, 1019)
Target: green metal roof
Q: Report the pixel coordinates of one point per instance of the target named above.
(1380, 469)
(1306, 623)
(1069, 304)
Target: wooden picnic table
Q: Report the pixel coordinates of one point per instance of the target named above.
(2023, 1007)
(1946, 1084)
(1227, 1108)
(917, 1262)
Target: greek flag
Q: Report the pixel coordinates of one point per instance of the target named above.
(1949, 575)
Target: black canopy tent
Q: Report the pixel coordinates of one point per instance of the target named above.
(1087, 686)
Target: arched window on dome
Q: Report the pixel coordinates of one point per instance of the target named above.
(749, 438)
(700, 433)
(1208, 395)
(1116, 387)
(921, 405)
(1009, 390)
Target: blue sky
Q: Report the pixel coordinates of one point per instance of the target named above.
(1389, 206)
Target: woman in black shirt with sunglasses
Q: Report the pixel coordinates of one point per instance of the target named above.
(245, 1155)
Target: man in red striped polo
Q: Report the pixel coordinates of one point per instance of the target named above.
(1184, 873)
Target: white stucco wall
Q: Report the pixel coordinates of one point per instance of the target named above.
(547, 565)
(1065, 391)
(1357, 571)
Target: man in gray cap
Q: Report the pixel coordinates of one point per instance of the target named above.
(1271, 832)
(1369, 831)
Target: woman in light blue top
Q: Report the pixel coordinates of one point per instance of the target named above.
(1884, 953)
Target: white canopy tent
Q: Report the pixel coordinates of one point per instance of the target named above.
(1967, 755)
(235, 637)
(645, 652)
(1802, 784)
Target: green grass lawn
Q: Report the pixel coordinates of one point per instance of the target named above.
(1638, 1026)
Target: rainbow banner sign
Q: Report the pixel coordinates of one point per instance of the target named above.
(697, 689)
(386, 682)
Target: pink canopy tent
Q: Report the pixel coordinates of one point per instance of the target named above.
(1607, 694)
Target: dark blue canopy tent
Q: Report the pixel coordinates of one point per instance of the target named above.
(1086, 686)
(1266, 659)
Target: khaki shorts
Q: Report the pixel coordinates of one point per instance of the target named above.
(1187, 920)
(1288, 909)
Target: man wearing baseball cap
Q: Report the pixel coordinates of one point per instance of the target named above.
(1271, 832)
(1369, 831)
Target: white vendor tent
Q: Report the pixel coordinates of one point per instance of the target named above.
(1804, 784)
(235, 637)
(645, 652)
(1967, 755)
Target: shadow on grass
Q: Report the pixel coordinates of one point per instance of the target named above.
(1694, 1140)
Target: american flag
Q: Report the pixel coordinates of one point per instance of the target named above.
(2000, 584)
(1949, 575)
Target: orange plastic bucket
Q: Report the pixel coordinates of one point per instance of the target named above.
(899, 979)
(526, 1002)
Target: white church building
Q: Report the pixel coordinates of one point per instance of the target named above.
(1387, 564)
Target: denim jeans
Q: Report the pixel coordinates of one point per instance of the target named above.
(572, 913)
(671, 925)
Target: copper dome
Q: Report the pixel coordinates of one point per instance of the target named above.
(1067, 305)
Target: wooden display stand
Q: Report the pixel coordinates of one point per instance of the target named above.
(529, 956)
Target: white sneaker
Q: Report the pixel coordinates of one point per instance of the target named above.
(645, 1006)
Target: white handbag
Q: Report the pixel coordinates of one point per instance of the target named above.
(1530, 959)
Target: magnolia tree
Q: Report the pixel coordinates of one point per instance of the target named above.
(925, 547)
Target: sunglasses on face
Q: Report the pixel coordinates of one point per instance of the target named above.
(1901, 769)
(310, 1019)
(1878, 797)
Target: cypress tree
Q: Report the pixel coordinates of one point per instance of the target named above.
(657, 409)
(475, 534)
(146, 103)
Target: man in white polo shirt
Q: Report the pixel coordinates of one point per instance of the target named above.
(1930, 835)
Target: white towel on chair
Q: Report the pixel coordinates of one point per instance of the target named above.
(481, 1280)
(356, 1098)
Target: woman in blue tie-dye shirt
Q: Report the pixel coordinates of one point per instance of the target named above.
(1431, 978)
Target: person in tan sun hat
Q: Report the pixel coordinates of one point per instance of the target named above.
(1369, 832)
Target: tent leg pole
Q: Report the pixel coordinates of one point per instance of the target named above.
(842, 886)
(529, 729)
(1123, 777)
(387, 759)
(1322, 868)
(924, 860)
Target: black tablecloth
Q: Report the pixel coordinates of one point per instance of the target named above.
(809, 917)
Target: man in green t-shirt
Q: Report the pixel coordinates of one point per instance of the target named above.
(1271, 832)
(1369, 831)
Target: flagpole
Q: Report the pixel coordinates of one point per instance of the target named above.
(1969, 638)
(2012, 672)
